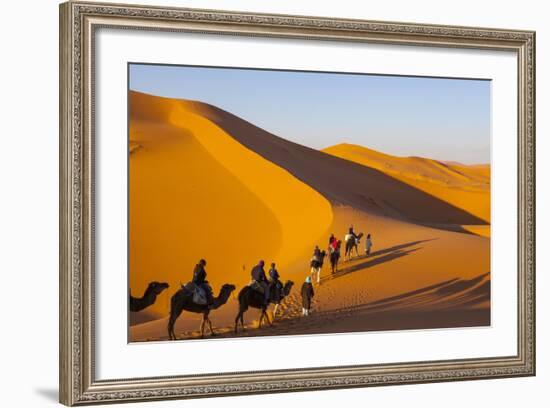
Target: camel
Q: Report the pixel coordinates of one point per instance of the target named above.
(183, 300)
(249, 297)
(352, 244)
(334, 258)
(317, 265)
(149, 297)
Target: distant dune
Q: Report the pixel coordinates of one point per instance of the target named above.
(465, 187)
(207, 184)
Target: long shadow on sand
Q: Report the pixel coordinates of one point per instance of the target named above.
(448, 304)
(451, 303)
(396, 248)
(378, 257)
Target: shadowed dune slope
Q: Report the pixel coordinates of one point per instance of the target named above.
(465, 187)
(195, 192)
(342, 181)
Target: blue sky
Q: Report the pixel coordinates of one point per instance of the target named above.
(443, 119)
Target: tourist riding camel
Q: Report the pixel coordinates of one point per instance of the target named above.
(275, 284)
(183, 299)
(249, 297)
(201, 284)
(333, 244)
(259, 280)
(316, 252)
(352, 241)
(316, 263)
(350, 235)
(331, 240)
(335, 256)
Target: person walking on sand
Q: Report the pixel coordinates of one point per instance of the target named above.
(368, 244)
(307, 295)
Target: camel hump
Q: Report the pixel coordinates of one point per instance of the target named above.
(189, 287)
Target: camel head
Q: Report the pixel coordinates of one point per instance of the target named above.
(156, 288)
(227, 289)
(223, 297)
(287, 287)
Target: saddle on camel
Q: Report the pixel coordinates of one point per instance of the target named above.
(196, 297)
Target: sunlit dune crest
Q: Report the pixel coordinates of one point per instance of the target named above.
(466, 187)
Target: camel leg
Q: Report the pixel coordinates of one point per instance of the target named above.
(170, 327)
(275, 310)
(240, 316)
(202, 327)
(261, 318)
(171, 323)
(318, 275)
(269, 321)
(237, 321)
(210, 327)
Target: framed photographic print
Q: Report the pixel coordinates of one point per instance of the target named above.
(256, 203)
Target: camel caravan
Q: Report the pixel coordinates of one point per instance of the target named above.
(197, 296)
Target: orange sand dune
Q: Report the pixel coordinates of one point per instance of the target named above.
(466, 187)
(197, 193)
(205, 183)
(345, 182)
(374, 293)
(475, 177)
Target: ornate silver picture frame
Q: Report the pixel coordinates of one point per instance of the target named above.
(79, 22)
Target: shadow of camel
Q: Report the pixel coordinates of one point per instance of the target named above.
(375, 258)
(396, 248)
(451, 303)
(461, 285)
(373, 262)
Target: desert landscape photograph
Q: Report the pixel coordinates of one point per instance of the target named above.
(278, 202)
